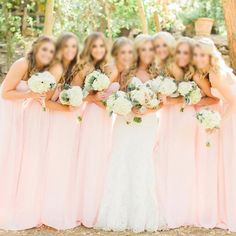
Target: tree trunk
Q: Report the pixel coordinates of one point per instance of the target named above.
(230, 22)
(142, 16)
(157, 22)
(49, 19)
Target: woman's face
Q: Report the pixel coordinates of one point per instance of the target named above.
(69, 51)
(183, 55)
(161, 49)
(125, 55)
(200, 58)
(45, 53)
(146, 53)
(98, 50)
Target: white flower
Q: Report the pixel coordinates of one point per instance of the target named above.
(209, 119)
(96, 81)
(190, 91)
(134, 83)
(185, 87)
(41, 82)
(156, 83)
(119, 103)
(72, 96)
(164, 85)
(195, 96)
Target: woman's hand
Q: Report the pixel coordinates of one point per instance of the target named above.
(137, 111)
(72, 108)
(100, 96)
(34, 95)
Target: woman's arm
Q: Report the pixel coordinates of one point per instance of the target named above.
(16, 73)
(205, 86)
(221, 83)
(57, 72)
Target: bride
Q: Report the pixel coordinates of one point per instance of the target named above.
(130, 199)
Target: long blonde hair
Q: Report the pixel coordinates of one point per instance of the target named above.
(86, 59)
(60, 44)
(189, 69)
(217, 63)
(171, 43)
(31, 55)
(139, 41)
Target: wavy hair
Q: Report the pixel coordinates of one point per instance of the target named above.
(171, 44)
(139, 41)
(189, 69)
(31, 55)
(86, 59)
(60, 44)
(217, 63)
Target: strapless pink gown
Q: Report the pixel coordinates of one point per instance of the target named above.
(11, 127)
(32, 174)
(227, 170)
(207, 161)
(59, 202)
(176, 168)
(95, 145)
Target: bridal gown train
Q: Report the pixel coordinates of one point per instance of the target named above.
(130, 199)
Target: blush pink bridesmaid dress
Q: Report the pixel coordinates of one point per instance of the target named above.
(227, 174)
(94, 149)
(208, 164)
(11, 127)
(29, 194)
(174, 154)
(59, 196)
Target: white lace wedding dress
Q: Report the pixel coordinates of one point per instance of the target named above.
(130, 199)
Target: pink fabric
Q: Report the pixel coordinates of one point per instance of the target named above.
(59, 191)
(208, 164)
(95, 145)
(176, 167)
(11, 134)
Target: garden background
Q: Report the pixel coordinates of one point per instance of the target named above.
(21, 21)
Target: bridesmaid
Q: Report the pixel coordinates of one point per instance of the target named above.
(207, 158)
(95, 133)
(14, 91)
(58, 209)
(130, 200)
(223, 85)
(123, 53)
(175, 150)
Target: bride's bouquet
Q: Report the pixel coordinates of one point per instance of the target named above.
(164, 85)
(209, 119)
(95, 81)
(190, 91)
(119, 103)
(142, 96)
(71, 95)
(42, 82)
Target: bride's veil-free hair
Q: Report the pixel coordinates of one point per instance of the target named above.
(139, 41)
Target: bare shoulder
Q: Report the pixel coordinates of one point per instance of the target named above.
(111, 70)
(57, 67)
(21, 64)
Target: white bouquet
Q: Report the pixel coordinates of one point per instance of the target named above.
(42, 82)
(142, 97)
(209, 119)
(71, 95)
(95, 81)
(164, 85)
(190, 91)
(119, 103)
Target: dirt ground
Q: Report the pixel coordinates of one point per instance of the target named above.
(81, 231)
